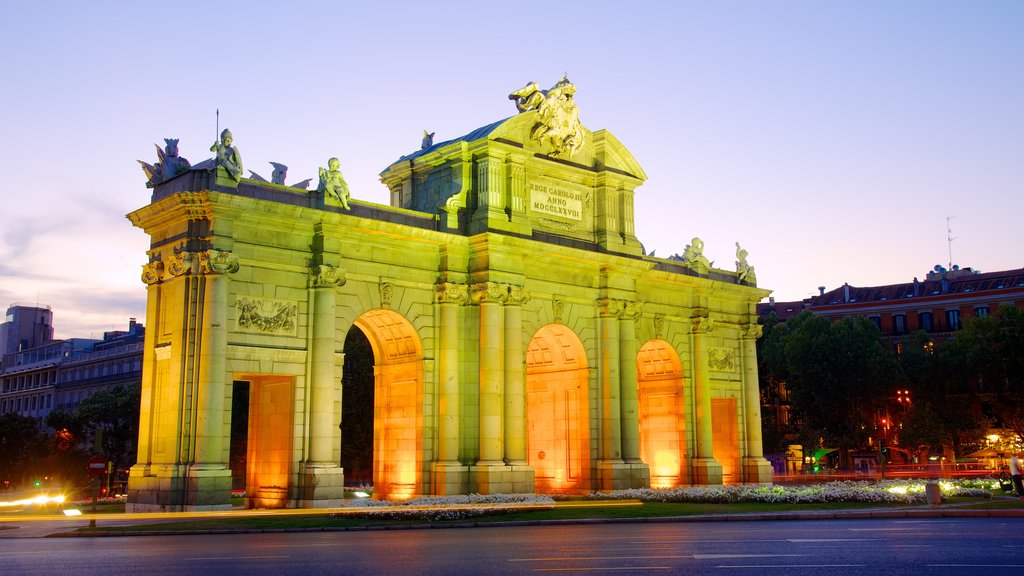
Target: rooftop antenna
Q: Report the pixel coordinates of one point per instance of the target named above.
(216, 135)
(949, 240)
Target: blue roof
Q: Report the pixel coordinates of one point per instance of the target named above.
(474, 135)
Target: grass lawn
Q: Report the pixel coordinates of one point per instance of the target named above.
(576, 512)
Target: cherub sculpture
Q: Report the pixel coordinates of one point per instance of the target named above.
(694, 257)
(744, 271)
(333, 183)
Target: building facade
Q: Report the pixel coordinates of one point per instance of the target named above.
(521, 339)
(939, 305)
(58, 374)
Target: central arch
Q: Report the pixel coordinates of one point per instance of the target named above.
(558, 423)
(397, 404)
(662, 422)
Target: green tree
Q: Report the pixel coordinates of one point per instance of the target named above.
(116, 413)
(987, 358)
(837, 373)
(22, 449)
(771, 367)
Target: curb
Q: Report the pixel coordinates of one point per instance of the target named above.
(757, 517)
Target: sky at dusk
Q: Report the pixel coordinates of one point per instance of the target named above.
(831, 139)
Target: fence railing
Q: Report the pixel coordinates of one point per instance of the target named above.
(959, 470)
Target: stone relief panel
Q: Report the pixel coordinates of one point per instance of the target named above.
(722, 359)
(266, 316)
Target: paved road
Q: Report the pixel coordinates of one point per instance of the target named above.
(956, 547)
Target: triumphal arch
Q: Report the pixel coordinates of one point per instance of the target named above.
(497, 329)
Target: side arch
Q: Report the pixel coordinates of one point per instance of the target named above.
(397, 404)
(662, 415)
(557, 414)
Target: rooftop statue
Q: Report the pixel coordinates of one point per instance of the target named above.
(168, 166)
(278, 175)
(333, 183)
(428, 140)
(744, 270)
(558, 121)
(693, 257)
(227, 156)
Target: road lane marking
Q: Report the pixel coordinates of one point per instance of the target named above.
(604, 548)
(725, 556)
(745, 541)
(235, 558)
(589, 558)
(614, 569)
(975, 565)
(908, 529)
(763, 566)
(808, 540)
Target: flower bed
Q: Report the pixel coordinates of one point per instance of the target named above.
(457, 507)
(881, 492)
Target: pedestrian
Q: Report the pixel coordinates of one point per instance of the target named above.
(1015, 475)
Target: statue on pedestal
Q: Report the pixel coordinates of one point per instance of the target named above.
(333, 183)
(227, 156)
(168, 166)
(558, 117)
(744, 271)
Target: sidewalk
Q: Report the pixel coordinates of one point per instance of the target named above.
(58, 526)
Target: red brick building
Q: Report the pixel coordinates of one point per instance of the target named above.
(939, 304)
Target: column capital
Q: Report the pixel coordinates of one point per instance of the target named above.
(619, 308)
(489, 292)
(702, 324)
(610, 307)
(325, 276)
(517, 295)
(217, 262)
(451, 293)
(631, 310)
(179, 264)
(751, 331)
(152, 272)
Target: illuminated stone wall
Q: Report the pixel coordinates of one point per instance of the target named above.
(522, 341)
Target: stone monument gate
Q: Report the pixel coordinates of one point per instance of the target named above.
(521, 340)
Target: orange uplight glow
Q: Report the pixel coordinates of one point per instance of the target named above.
(662, 430)
(397, 401)
(558, 438)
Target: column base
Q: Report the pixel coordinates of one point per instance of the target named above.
(706, 471)
(619, 475)
(501, 479)
(321, 487)
(448, 478)
(757, 471)
(178, 488)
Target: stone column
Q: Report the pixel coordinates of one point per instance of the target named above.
(627, 375)
(490, 194)
(515, 381)
(323, 480)
(151, 274)
(450, 297)
(611, 410)
(324, 281)
(706, 470)
(209, 477)
(755, 468)
(490, 297)
(211, 450)
(449, 475)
